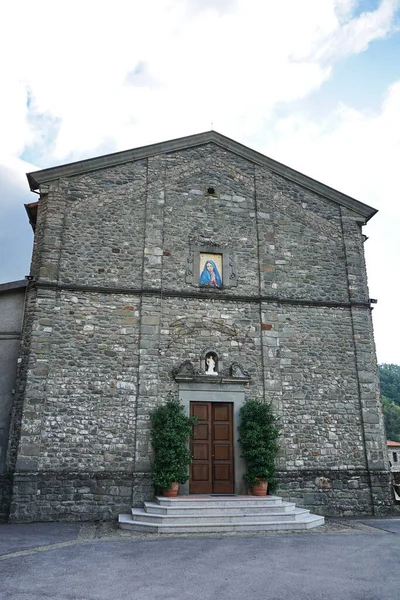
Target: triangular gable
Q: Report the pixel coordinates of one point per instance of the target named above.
(36, 178)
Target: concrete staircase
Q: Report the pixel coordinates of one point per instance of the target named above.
(209, 514)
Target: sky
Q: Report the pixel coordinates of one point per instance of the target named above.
(314, 84)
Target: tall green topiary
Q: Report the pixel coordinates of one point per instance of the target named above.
(170, 436)
(258, 433)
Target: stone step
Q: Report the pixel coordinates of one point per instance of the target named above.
(219, 501)
(141, 516)
(308, 522)
(236, 508)
(208, 514)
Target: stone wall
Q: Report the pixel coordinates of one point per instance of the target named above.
(84, 364)
(338, 492)
(77, 496)
(5, 495)
(115, 311)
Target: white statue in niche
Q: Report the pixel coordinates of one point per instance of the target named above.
(210, 366)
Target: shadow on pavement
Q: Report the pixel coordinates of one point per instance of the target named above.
(391, 525)
(14, 538)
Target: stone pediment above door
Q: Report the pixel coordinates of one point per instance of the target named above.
(187, 371)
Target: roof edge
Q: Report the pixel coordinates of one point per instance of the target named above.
(36, 178)
(13, 285)
(31, 211)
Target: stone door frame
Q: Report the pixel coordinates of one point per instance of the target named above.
(212, 392)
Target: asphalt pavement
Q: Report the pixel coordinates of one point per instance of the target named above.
(350, 560)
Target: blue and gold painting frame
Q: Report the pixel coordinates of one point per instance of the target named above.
(211, 267)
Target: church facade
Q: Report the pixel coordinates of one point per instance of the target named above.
(200, 269)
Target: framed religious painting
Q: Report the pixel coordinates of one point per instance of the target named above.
(211, 267)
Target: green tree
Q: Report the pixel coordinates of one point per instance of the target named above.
(391, 413)
(170, 436)
(389, 375)
(258, 433)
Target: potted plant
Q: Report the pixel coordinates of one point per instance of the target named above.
(171, 430)
(258, 433)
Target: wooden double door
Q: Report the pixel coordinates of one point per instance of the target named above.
(212, 448)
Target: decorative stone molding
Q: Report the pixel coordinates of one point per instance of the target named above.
(185, 369)
(238, 371)
(235, 373)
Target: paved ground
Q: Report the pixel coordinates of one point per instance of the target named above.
(350, 560)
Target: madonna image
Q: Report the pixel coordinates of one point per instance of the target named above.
(210, 274)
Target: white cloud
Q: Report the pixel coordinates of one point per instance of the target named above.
(14, 183)
(356, 152)
(344, 8)
(228, 62)
(334, 38)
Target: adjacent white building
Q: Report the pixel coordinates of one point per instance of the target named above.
(394, 455)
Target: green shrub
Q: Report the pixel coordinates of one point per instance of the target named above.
(258, 433)
(170, 436)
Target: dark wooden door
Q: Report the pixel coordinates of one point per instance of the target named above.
(212, 448)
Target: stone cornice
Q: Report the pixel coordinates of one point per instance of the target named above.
(37, 178)
(209, 379)
(214, 294)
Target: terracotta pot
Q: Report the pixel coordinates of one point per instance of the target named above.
(172, 491)
(260, 489)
